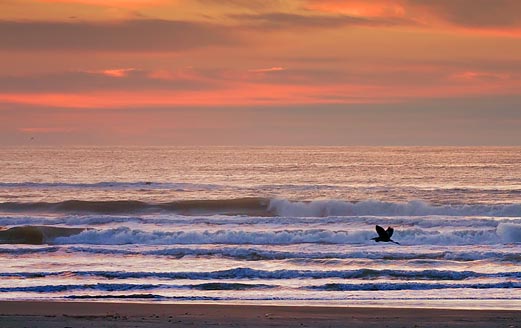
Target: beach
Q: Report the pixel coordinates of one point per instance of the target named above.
(96, 314)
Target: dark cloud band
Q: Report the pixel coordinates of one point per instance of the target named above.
(134, 35)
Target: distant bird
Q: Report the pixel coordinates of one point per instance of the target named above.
(384, 235)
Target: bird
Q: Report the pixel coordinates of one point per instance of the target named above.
(384, 235)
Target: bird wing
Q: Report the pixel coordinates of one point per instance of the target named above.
(390, 231)
(381, 232)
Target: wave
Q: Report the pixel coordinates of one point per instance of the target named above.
(509, 232)
(239, 206)
(35, 235)
(376, 286)
(252, 274)
(125, 235)
(272, 298)
(135, 296)
(411, 286)
(214, 220)
(24, 251)
(153, 296)
(115, 287)
(256, 206)
(258, 254)
(504, 233)
(378, 208)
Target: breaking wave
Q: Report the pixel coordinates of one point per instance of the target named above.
(504, 233)
(256, 206)
(174, 219)
(379, 208)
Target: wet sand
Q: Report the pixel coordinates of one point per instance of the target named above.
(94, 314)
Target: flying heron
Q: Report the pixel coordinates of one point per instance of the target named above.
(384, 235)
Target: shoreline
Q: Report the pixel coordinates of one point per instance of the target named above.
(95, 314)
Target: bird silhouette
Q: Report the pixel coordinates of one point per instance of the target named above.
(384, 235)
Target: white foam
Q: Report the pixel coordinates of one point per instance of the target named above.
(126, 235)
(412, 236)
(378, 208)
(509, 232)
(425, 222)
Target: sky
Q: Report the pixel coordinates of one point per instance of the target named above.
(260, 72)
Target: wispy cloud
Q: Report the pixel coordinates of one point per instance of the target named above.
(266, 70)
(126, 79)
(359, 8)
(476, 13)
(279, 20)
(117, 72)
(130, 36)
(480, 76)
(111, 3)
(457, 16)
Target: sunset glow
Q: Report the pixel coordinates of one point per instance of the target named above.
(342, 57)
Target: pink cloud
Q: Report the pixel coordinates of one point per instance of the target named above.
(479, 76)
(266, 70)
(462, 17)
(111, 72)
(116, 72)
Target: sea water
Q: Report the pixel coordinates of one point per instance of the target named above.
(266, 225)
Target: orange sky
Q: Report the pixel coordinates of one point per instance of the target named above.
(259, 72)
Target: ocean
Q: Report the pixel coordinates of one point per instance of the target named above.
(262, 225)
